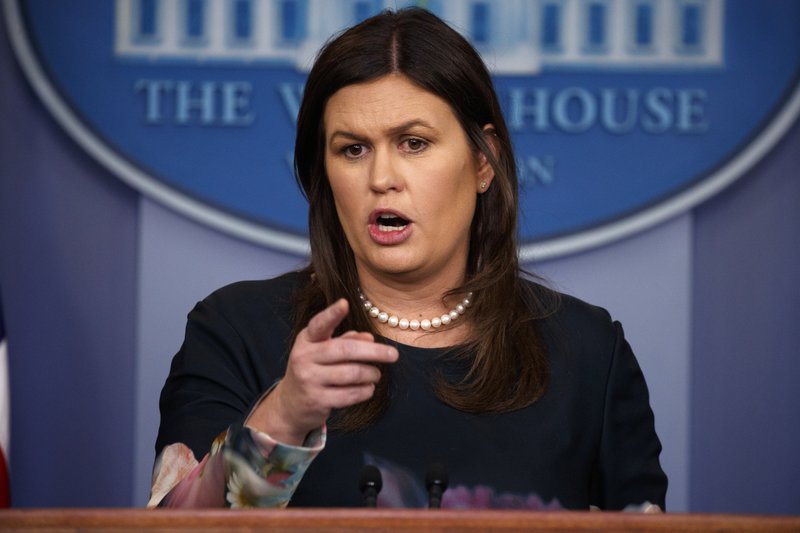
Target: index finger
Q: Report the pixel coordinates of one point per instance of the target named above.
(322, 325)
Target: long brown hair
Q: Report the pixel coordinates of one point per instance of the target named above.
(508, 366)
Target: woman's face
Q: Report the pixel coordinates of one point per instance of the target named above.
(404, 178)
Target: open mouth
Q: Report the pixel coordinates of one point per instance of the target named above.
(390, 222)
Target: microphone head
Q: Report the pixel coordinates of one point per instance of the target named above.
(370, 479)
(437, 477)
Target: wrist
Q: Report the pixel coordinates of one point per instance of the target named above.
(269, 417)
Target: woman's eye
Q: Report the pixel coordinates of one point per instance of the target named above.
(354, 150)
(415, 145)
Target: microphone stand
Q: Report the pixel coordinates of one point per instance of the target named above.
(436, 482)
(370, 483)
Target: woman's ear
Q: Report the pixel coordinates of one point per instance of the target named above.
(485, 170)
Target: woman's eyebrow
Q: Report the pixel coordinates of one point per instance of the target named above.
(350, 136)
(407, 125)
(392, 131)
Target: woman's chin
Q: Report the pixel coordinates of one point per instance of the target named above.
(395, 261)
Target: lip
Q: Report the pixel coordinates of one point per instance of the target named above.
(389, 238)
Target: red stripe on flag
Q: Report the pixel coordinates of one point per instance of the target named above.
(5, 482)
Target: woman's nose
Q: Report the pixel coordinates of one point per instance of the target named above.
(384, 174)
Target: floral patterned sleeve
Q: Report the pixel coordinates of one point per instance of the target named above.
(245, 468)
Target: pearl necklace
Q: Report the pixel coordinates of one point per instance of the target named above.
(403, 323)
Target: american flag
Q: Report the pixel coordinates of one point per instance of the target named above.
(5, 416)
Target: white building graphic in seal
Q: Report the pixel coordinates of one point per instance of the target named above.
(514, 36)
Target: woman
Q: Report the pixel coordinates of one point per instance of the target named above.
(411, 338)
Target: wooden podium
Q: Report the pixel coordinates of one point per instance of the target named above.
(372, 520)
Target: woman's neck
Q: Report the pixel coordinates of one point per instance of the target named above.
(419, 301)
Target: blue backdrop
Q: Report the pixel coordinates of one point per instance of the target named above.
(97, 281)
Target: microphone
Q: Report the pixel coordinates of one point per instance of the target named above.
(436, 482)
(370, 483)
